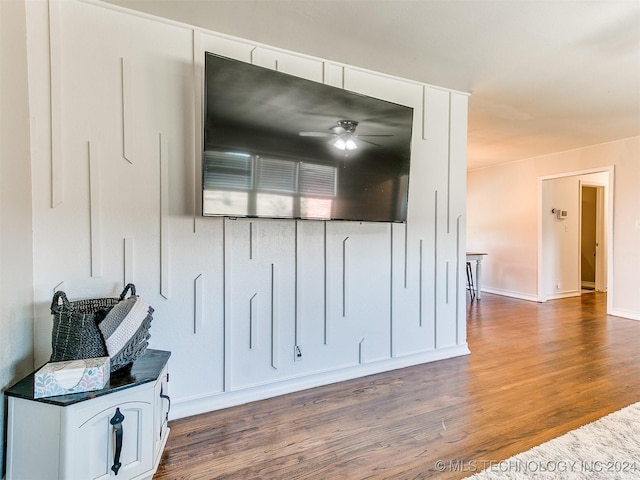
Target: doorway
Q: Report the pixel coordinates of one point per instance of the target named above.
(592, 238)
(559, 236)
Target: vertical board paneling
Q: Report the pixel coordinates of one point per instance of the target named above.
(441, 243)
(406, 253)
(458, 154)
(251, 240)
(164, 216)
(425, 109)
(129, 273)
(298, 65)
(392, 279)
(57, 159)
(325, 312)
(259, 300)
(448, 186)
(253, 322)
(94, 209)
(460, 264)
(346, 293)
(196, 133)
(197, 303)
(344, 277)
(227, 309)
(221, 45)
(128, 117)
(436, 259)
(198, 97)
(454, 333)
(311, 299)
(274, 319)
(297, 327)
(132, 77)
(258, 57)
(387, 88)
(333, 75)
(359, 282)
(420, 286)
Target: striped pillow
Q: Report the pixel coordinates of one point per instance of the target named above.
(125, 330)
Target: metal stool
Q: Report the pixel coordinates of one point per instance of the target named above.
(470, 286)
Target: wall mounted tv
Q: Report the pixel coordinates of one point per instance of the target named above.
(280, 146)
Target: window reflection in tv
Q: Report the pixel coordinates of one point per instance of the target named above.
(280, 146)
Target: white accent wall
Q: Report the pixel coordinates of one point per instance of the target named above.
(116, 97)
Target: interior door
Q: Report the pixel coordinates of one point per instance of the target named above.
(588, 241)
(593, 265)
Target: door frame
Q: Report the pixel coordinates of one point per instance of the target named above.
(600, 280)
(610, 170)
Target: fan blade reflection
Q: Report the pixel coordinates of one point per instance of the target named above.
(315, 134)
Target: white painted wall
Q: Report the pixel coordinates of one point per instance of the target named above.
(16, 265)
(502, 205)
(123, 169)
(502, 221)
(560, 249)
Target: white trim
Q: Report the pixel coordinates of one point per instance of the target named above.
(610, 169)
(624, 314)
(509, 293)
(271, 48)
(577, 173)
(215, 401)
(544, 155)
(569, 294)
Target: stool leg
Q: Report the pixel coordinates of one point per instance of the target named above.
(470, 287)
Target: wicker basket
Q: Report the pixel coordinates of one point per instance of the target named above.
(75, 334)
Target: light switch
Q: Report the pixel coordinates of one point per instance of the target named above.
(637, 224)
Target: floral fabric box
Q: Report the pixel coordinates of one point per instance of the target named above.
(74, 376)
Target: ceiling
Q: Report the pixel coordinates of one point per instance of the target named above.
(544, 75)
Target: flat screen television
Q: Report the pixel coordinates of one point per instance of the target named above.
(280, 146)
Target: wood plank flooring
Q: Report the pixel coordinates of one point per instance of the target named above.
(535, 372)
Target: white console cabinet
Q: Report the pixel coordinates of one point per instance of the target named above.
(118, 432)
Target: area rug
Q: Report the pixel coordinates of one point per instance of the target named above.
(607, 448)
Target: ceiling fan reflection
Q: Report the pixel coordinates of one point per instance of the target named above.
(343, 135)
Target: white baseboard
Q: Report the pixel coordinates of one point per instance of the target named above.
(616, 312)
(510, 293)
(193, 406)
(571, 293)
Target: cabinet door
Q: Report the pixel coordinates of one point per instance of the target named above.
(95, 442)
(161, 414)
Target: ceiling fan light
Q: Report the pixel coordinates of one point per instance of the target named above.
(350, 144)
(340, 144)
(344, 143)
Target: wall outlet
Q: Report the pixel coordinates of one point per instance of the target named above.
(637, 224)
(297, 353)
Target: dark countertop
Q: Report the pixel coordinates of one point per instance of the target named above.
(144, 370)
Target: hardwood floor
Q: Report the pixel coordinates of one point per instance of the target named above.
(535, 372)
